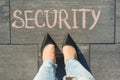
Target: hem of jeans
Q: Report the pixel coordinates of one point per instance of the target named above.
(70, 59)
(78, 77)
(50, 61)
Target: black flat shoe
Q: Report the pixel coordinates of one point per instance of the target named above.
(69, 41)
(47, 40)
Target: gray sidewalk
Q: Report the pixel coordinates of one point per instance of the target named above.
(20, 44)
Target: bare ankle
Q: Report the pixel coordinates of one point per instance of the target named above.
(49, 53)
(69, 52)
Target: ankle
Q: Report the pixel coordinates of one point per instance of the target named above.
(49, 53)
(69, 52)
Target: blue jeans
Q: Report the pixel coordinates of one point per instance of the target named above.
(73, 68)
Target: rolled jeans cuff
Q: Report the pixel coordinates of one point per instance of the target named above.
(47, 71)
(75, 69)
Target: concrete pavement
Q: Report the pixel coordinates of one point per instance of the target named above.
(21, 34)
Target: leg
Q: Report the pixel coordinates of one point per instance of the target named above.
(48, 69)
(73, 67)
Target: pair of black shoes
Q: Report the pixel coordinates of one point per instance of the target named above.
(48, 40)
(67, 41)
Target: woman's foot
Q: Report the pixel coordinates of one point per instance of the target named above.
(48, 49)
(69, 48)
(49, 53)
(69, 52)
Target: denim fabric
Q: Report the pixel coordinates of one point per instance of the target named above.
(73, 69)
(47, 71)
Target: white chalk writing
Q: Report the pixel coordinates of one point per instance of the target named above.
(61, 17)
